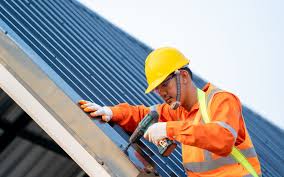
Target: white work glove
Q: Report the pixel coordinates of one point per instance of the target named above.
(96, 110)
(156, 132)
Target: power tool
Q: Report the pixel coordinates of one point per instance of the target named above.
(165, 146)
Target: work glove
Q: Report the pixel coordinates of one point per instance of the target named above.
(156, 132)
(96, 110)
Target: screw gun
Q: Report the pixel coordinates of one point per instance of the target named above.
(165, 146)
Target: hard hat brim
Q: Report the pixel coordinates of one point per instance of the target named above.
(155, 84)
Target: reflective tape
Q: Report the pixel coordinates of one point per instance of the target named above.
(207, 155)
(214, 164)
(228, 127)
(249, 152)
(212, 92)
(236, 154)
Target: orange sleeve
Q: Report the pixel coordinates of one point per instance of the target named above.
(219, 135)
(128, 116)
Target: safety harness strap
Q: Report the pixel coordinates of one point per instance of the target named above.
(236, 154)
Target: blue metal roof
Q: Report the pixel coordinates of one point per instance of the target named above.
(90, 58)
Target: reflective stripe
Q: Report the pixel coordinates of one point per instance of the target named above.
(207, 155)
(212, 92)
(236, 154)
(228, 127)
(214, 164)
(209, 165)
(249, 152)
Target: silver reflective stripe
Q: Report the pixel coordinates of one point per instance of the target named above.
(228, 127)
(209, 165)
(249, 152)
(208, 98)
(214, 164)
(207, 155)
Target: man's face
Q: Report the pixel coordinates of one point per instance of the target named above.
(167, 89)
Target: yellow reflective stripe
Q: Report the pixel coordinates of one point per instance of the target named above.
(202, 105)
(236, 154)
(239, 157)
(214, 164)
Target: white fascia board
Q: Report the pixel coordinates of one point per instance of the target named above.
(49, 124)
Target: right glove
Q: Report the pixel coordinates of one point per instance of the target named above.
(156, 132)
(96, 110)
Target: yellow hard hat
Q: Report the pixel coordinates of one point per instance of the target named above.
(160, 63)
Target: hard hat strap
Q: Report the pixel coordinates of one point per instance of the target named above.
(177, 103)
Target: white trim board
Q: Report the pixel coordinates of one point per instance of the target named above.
(49, 124)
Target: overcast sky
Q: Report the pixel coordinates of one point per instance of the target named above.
(237, 45)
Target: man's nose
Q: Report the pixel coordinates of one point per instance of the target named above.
(163, 93)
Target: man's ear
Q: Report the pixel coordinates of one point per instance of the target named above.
(184, 77)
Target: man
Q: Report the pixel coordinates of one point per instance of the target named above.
(208, 122)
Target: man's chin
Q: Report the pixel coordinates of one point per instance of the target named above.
(169, 102)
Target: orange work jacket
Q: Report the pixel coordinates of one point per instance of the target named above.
(205, 147)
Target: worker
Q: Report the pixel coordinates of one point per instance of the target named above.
(215, 142)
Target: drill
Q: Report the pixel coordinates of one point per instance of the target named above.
(165, 147)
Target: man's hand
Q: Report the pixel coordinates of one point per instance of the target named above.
(156, 132)
(96, 110)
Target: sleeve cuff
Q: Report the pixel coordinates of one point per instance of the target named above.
(173, 129)
(116, 114)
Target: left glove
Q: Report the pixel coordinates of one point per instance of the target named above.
(96, 110)
(156, 132)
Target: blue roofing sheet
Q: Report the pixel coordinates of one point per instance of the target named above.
(90, 58)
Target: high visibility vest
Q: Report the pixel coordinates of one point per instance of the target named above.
(242, 161)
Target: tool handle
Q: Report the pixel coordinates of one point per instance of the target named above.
(166, 147)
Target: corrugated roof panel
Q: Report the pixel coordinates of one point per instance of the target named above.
(104, 64)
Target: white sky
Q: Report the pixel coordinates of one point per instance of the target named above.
(237, 45)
